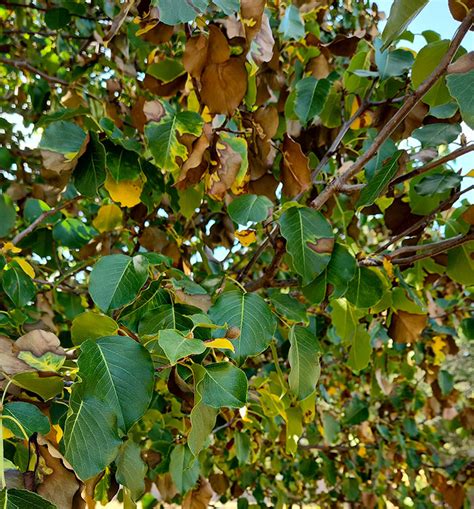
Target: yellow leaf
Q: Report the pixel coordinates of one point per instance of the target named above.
(146, 28)
(220, 343)
(471, 173)
(437, 346)
(59, 432)
(246, 237)
(125, 192)
(10, 247)
(388, 266)
(108, 218)
(7, 433)
(362, 452)
(27, 268)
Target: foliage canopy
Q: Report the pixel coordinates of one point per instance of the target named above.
(238, 264)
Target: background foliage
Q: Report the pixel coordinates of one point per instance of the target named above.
(239, 263)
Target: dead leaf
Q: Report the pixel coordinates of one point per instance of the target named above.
(218, 50)
(319, 67)
(262, 47)
(406, 327)
(200, 497)
(246, 237)
(468, 215)
(224, 86)
(295, 172)
(201, 301)
(166, 487)
(195, 159)
(39, 342)
(265, 186)
(9, 362)
(462, 64)
(251, 12)
(345, 45)
(195, 55)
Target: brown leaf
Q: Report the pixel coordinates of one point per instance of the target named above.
(196, 154)
(295, 172)
(462, 64)
(219, 483)
(319, 67)
(195, 55)
(218, 50)
(251, 12)
(159, 34)
(468, 215)
(9, 362)
(345, 45)
(265, 186)
(200, 301)
(460, 8)
(39, 342)
(59, 484)
(224, 86)
(166, 487)
(406, 327)
(200, 497)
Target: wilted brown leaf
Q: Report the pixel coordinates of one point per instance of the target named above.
(406, 327)
(251, 12)
(295, 172)
(9, 362)
(200, 497)
(39, 342)
(195, 55)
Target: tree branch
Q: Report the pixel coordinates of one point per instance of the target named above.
(23, 64)
(270, 271)
(431, 165)
(47, 213)
(388, 129)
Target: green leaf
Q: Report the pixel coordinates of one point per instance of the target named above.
(356, 411)
(122, 164)
(72, 232)
(341, 269)
(49, 361)
(177, 346)
(345, 319)
(461, 264)
(91, 438)
(162, 138)
(433, 135)
(23, 499)
(380, 180)
(46, 387)
(116, 386)
(392, 63)
(331, 428)
(287, 306)
(57, 17)
(203, 417)
(166, 70)
(425, 62)
(89, 173)
(184, 468)
(311, 95)
(28, 415)
(8, 215)
(228, 7)
(309, 239)
(131, 469)
(18, 285)
(243, 447)
(303, 357)
(402, 13)
(173, 12)
(359, 355)
(116, 280)
(438, 183)
(249, 208)
(460, 87)
(223, 385)
(445, 381)
(365, 289)
(291, 25)
(90, 325)
(251, 314)
(63, 137)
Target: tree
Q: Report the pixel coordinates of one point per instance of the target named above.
(238, 263)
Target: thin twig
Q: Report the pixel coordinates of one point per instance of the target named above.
(23, 64)
(431, 165)
(270, 271)
(47, 213)
(388, 129)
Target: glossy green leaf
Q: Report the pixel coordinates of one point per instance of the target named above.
(356, 411)
(89, 174)
(223, 385)
(361, 349)
(379, 181)
(22, 499)
(311, 95)
(28, 415)
(291, 25)
(72, 232)
(116, 280)
(341, 269)
(249, 208)
(173, 12)
(303, 357)
(459, 86)
(18, 285)
(63, 137)
(392, 63)
(47, 387)
(309, 239)
(289, 307)
(402, 12)
(250, 313)
(184, 468)
(177, 346)
(90, 325)
(8, 215)
(365, 289)
(437, 183)
(162, 138)
(131, 469)
(433, 135)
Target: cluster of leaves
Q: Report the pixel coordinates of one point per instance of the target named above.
(238, 263)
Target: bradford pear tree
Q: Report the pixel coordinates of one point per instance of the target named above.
(236, 254)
